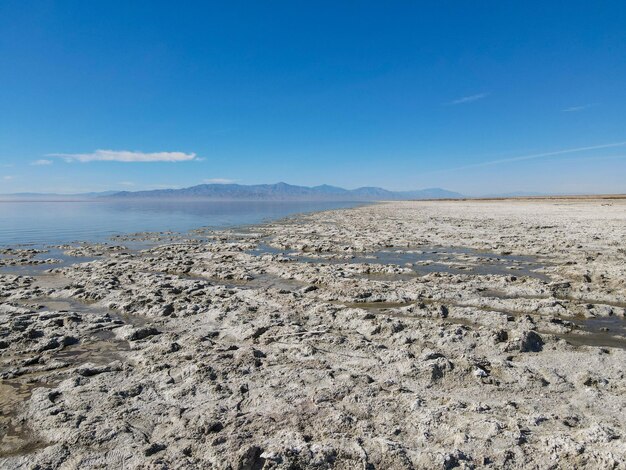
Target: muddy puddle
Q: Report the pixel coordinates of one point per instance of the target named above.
(98, 347)
(267, 281)
(602, 331)
(376, 305)
(259, 281)
(16, 437)
(594, 331)
(38, 264)
(64, 305)
(57, 256)
(388, 277)
(579, 300)
(599, 340)
(506, 296)
(607, 332)
(424, 260)
(391, 309)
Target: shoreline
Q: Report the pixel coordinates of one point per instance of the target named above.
(126, 219)
(299, 201)
(574, 197)
(280, 346)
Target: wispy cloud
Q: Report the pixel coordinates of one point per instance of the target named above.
(468, 99)
(8, 178)
(125, 156)
(595, 159)
(533, 156)
(218, 181)
(126, 183)
(573, 109)
(41, 162)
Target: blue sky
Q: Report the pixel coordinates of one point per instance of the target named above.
(479, 97)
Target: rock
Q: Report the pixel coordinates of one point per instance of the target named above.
(213, 427)
(52, 343)
(89, 370)
(69, 340)
(153, 449)
(527, 341)
(251, 459)
(500, 336)
(480, 373)
(456, 459)
(531, 342)
(167, 310)
(130, 333)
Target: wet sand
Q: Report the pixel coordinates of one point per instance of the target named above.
(431, 334)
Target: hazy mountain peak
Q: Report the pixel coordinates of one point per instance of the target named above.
(282, 191)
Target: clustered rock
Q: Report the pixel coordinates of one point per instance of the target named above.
(24, 257)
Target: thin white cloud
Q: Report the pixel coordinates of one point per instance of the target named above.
(468, 99)
(125, 156)
(573, 109)
(218, 181)
(594, 159)
(126, 183)
(41, 162)
(532, 156)
(8, 178)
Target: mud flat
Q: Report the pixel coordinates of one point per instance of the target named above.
(451, 334)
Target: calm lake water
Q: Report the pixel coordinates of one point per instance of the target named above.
(42, 223)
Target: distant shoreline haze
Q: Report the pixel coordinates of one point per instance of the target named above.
(281, 192)
(259, 192)
(44, 223)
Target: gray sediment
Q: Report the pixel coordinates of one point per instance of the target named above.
(398, 335)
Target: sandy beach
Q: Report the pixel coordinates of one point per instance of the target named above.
(426, 334)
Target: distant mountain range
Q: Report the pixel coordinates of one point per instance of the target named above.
(264, 192)
(283, 192)
(277, 192)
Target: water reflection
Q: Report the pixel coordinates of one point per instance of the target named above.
(40, 223)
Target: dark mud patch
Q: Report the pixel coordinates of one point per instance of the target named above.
(19, 437)
(98, 347)
(498, 294)
(609, 332)
(425, 260)
(377, 305)
(16, 436)
(394, 310)
(596, 331)
(600, 331)
(594, 340)
(547, 296)
(258, 281)
(66, 305)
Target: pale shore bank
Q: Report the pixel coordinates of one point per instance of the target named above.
(430, 334)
